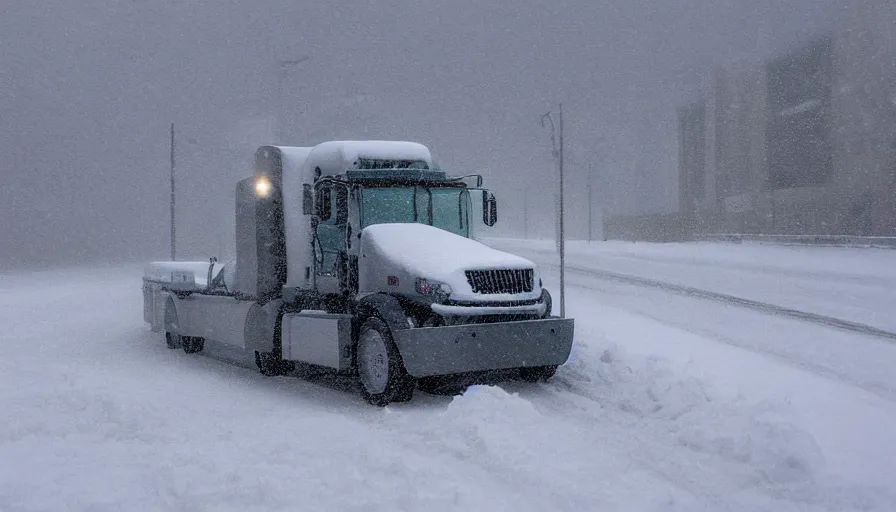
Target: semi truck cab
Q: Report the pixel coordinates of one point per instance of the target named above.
(359, 256)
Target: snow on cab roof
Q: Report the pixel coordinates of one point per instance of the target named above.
(335, 157)
(293, 157)
(294, 151)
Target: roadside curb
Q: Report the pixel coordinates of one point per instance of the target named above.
(882, 242)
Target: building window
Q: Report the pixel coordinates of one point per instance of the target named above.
(798, 126)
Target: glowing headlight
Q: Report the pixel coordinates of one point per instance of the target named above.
(426, 287)
(263, 187)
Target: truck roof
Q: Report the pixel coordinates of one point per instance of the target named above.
(293, 158)
(335, 157)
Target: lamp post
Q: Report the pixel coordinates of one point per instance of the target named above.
(548, 118)
(173, 228)
(282, 73)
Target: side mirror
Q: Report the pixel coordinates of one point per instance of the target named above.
(211, 268)
(489, 209)
(307, 200)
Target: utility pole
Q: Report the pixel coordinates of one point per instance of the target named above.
(173, 229)
(561, 235)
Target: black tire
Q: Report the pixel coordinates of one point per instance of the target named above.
(173, 340)
(193, 344)
(272, 365)
(382, 373)
(537, 373)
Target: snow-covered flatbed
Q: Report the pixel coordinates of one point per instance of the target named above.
(669, 403)
(184, 275)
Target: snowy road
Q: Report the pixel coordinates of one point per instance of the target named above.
(852, 285)
(762, 307)
(671, 402)
(782, 320)
(840, 382)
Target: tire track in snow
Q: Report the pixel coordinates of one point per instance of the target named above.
(762, 307)
(826, 371)
(820, 370)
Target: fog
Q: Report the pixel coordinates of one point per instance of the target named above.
(89, 89)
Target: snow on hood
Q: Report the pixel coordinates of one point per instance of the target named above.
(425, 251)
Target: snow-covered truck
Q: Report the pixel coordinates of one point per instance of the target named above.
(358, 256)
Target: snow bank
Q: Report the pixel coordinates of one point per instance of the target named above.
(760, 439)
(656, 441)
(479, 422)
(772, 450)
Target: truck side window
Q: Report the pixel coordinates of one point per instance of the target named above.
(341, 205)
(324, 203)
(332, 212)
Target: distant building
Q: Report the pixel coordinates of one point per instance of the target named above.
(804, 143)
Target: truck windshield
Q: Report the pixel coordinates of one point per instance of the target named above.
(442, 207)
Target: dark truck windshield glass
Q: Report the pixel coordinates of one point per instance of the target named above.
(445, 208)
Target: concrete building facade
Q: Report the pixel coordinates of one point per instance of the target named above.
(804, 143)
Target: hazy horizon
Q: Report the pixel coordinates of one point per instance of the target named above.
(90, 90)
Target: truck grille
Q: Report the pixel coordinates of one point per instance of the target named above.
(500, 281)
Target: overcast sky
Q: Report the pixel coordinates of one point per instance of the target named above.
(90, 87)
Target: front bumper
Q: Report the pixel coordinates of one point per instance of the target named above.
(433, 351)
(529, 309)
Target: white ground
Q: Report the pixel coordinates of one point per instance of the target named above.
(669, 403)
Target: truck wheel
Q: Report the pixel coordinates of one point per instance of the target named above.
(381, 371)
(193, 344)
(537, 373)
(173, 340)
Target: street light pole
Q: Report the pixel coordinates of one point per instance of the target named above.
(562, 230)
(561, 235)
(173, 229)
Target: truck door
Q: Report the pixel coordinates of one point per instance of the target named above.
(330, 236)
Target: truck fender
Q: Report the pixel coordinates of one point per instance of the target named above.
(388, 309)
(384, 306)
(262, 330)
(171, 317)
